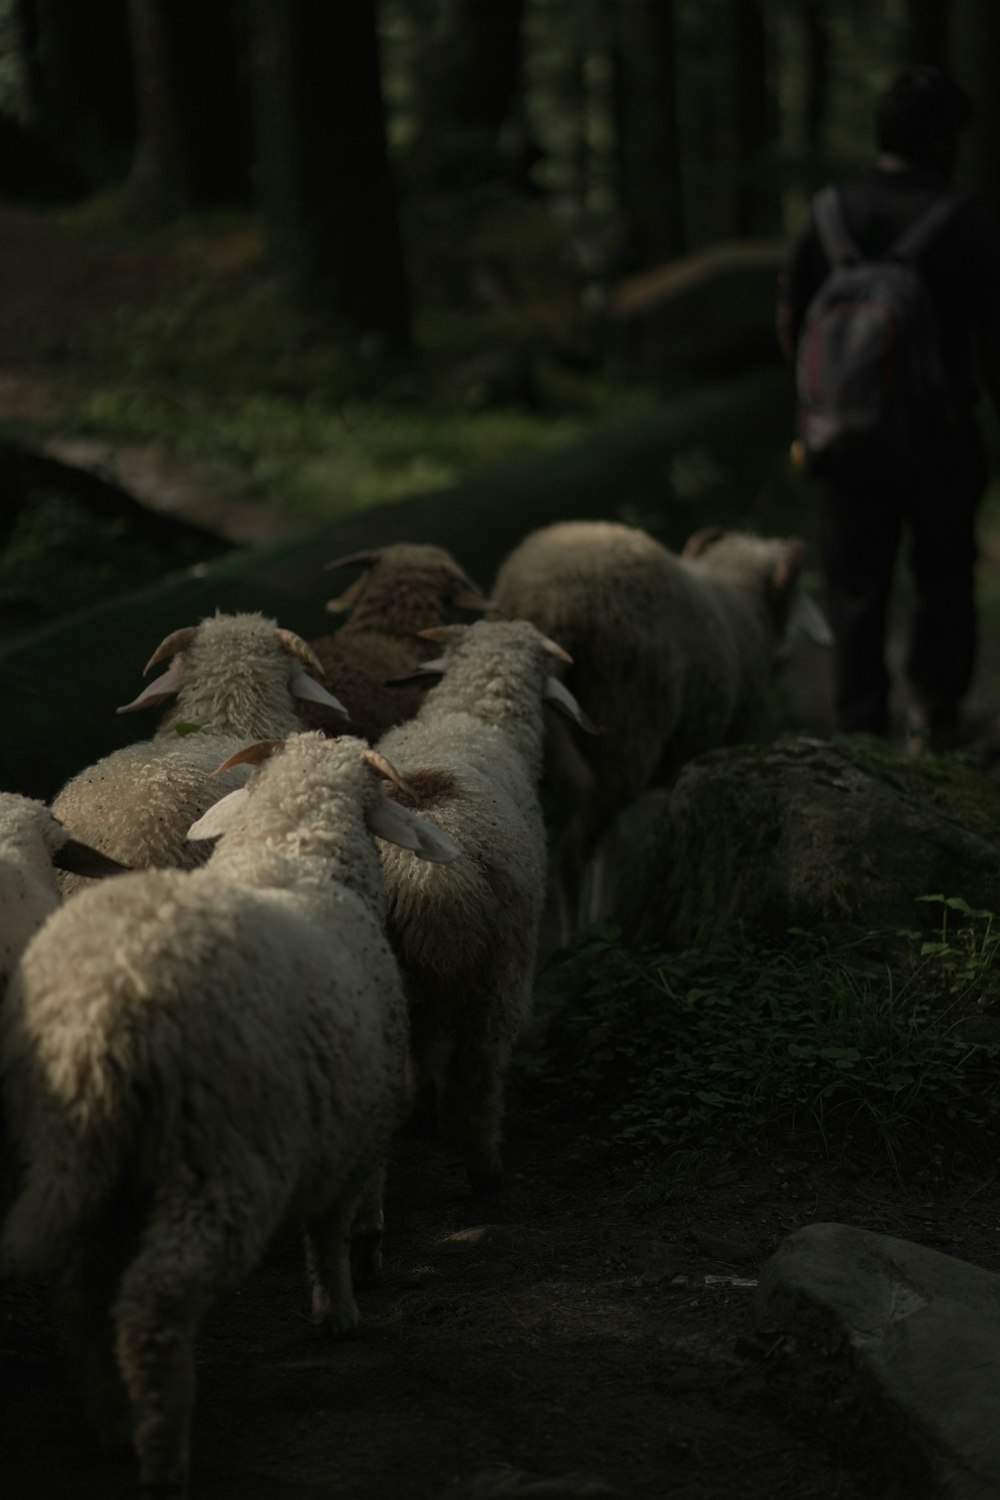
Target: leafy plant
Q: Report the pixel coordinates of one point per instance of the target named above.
(965, 952)
(674, 1052)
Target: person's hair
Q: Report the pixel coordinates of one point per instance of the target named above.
(920, 114)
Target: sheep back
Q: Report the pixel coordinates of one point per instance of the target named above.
(138, 802)
(153, 1030)
(673, 655)
(405, 588)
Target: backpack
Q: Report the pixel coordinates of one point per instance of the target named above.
(869, 374)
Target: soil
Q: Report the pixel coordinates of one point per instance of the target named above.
(579, 1323)
(573, 1324)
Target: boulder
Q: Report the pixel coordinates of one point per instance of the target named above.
(914, 1336)
(838, 838)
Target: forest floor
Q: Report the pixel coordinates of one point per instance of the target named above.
(579, 1323)
(590, 1320)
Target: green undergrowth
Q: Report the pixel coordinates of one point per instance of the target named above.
(212, 361)
(204, 356)
(670, 1055)
(60, 556)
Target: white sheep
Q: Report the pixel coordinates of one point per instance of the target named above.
(404, 588)
(236, 678)
(33, 844)
(467, 934)
(673, 654)
(191, 1057)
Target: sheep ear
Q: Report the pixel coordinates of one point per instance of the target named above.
(423, 669)
(81, 859)
(397, 824)
(559, 695)
(304, 686)
(806, 618)
(700, 541)
(220, 816)
(157, 691)
(786, 571)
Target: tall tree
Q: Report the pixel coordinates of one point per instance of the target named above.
(816, 54)
(193, 130)
(469, 88)
(322, 171)
(754, 205)
(483, 62)
(977, 38)
(77, 76)
(649, 155)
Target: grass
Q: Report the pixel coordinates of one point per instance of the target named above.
(668, 1054)
(202, 352)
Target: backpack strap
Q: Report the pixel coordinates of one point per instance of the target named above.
(838, 246)
(915, 239)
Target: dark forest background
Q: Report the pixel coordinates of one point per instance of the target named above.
(371, 244)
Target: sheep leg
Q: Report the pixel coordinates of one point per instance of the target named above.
(83, 1298)
(328, 1257)
(186, 1254)
(367, 1233)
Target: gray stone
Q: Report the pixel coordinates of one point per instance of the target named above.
(840, 838)
(921, 1328)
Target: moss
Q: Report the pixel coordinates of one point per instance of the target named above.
(945, 781)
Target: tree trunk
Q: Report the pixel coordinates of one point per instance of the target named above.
(77, 80)
(649, 159)
(754, 207)
(193, 134)
(322, 172)
(816, 62)
(483, 71)
(471, 79)
(977, 39)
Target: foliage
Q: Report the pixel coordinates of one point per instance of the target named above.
(674, 1054)
(212, 361)
(60, 556)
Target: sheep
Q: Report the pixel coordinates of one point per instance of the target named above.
(193, 1057)
(33, 844)
(404, 588)
(675, 654)
(236, 678)
(466, 935)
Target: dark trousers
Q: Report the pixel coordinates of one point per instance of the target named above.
(863, 517)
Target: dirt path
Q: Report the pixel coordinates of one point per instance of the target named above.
(564, 1327)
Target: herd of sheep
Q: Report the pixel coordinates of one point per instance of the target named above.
(330, 864)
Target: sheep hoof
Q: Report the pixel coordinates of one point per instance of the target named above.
(337, 1323)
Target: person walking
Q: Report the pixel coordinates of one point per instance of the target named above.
(890, 305)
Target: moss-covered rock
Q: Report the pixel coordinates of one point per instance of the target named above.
(840, 837)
